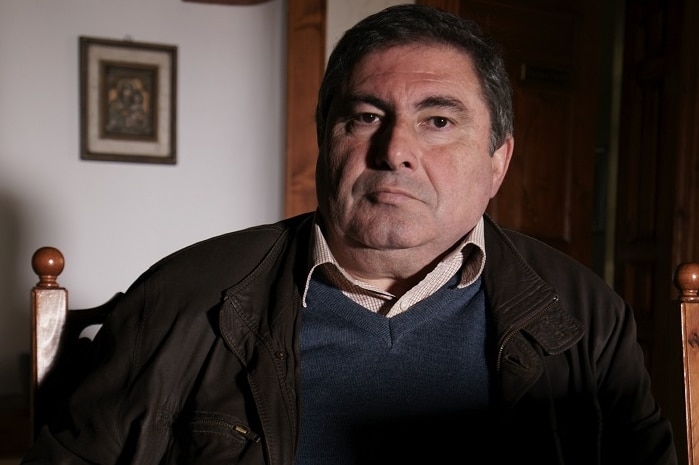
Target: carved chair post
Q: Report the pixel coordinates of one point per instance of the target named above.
(49, 307)
(686, 280)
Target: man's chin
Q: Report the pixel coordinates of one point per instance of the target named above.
(388, 235)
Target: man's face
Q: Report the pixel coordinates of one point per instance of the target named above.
(405, 163)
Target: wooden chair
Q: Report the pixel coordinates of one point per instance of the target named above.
(686, 279)
(60, 347)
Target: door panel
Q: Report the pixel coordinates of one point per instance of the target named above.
(549, 190)
(657, 183)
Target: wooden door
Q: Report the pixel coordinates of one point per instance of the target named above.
(657, 221)
(554, 68)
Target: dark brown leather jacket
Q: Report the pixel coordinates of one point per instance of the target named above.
(199, 363)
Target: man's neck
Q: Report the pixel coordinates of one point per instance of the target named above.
(395, 271)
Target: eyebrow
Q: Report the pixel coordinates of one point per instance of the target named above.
(435, 101)
(443, 102)
(355, 99)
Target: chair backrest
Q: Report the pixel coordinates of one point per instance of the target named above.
(60, 349)
(686, 279)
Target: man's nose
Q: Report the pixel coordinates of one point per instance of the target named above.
(398, 148)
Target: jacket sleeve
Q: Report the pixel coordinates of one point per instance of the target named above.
(634, 428)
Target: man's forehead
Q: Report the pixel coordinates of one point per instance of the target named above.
(413, 61)
(421, 73)
(402, 49)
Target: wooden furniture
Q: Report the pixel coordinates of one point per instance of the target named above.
(686, 279)
(61, 338)
(305, 61)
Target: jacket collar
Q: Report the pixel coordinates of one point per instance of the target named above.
(520, 300)
(266, 303)
(524, 308)
(523, 301)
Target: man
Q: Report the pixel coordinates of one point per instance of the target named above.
(397, 324)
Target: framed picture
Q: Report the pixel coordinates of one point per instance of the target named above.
(128, 101)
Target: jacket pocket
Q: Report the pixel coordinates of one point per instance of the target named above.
(211, 438)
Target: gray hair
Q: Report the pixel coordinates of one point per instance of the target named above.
(410, 24)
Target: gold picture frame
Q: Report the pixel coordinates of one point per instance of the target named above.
(128, 101)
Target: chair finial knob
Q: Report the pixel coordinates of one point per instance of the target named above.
(686, 279)
(47, 263)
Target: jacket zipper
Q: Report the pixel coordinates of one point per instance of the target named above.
(244, 431)
(247, 432)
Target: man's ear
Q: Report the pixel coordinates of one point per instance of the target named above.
(500, 162)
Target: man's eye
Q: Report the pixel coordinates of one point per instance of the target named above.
(440, 122)
(366, 118)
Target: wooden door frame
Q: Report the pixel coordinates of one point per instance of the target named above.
(306, 26)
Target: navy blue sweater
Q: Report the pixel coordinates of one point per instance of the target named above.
(374, 388)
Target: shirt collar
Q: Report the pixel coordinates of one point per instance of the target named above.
(468, 256)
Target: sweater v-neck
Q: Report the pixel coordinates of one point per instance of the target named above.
(443, 304)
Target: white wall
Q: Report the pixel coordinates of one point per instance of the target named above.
(112, 220)
(343, 14)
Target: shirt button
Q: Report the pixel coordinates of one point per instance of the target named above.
(280, 355)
